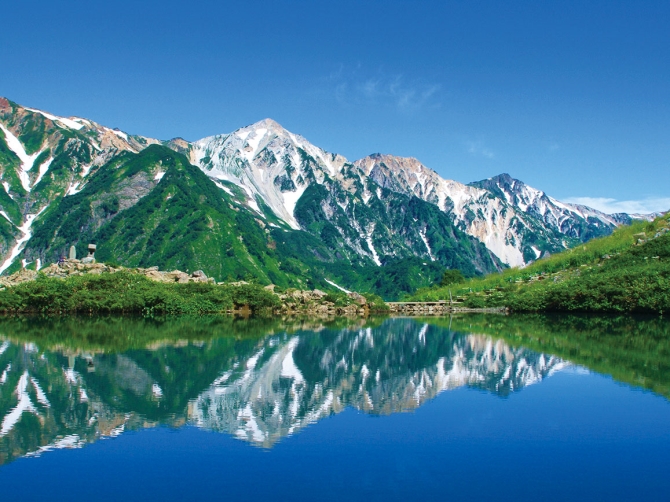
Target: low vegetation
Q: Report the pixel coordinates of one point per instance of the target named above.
(127, 292)
(106, 290)
(628, 271)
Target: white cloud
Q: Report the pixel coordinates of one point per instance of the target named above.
(607, 205)
(478, 148)
(394, 90)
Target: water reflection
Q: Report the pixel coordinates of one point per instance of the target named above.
(259, 388)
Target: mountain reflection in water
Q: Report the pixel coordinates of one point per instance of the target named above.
(258, 389)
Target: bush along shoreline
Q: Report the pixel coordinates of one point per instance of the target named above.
(628, 271)
(73, 287)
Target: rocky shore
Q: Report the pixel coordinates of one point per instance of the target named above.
(319, 303)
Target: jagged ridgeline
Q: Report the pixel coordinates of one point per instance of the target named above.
(154, 208)
(262, 203)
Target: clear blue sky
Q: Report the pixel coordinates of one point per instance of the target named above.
(571, 97)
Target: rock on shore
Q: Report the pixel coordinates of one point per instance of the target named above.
(70, 268)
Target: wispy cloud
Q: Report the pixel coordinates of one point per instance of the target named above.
(355, 87)
(478, 148)
(607, 205)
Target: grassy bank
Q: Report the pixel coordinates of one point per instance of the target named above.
(628, 271)
(127, 292)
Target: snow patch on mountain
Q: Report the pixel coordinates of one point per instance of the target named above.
(71, 123)
(44, 167)
(337, 286)
(425, 241)
(26, 235)
(27, 161)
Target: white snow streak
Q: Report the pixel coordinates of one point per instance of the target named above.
(224, 188)
(63, 121)
(120, 134)
(27, 161)
(290, 200)
(44, 167)
(86, 169)
(425, 241)
(18, 247)
(338, 287)
(74, 188)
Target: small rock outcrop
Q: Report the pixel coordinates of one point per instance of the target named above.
(70, 268)
(295, 301)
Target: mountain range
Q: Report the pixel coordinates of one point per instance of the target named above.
(264, 204)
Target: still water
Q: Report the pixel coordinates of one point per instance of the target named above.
(465, 408)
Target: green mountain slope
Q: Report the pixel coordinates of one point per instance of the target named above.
(155, 209)
(628, 271)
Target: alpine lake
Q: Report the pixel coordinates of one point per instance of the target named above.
(469, 407)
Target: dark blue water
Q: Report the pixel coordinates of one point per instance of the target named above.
(567, 434)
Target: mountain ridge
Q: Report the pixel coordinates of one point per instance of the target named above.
(311, 209)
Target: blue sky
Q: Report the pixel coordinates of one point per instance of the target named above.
(570, 97)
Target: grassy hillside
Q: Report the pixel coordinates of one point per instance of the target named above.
(628, 271)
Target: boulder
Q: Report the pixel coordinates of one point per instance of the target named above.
(357, 297)
(178, 276)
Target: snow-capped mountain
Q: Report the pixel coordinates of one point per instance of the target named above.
(519, 223)
(318, 214)
(268, 162)
(44, 158)
(516, 222)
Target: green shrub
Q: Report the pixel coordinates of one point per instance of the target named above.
(452, 276)
(128, 292)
